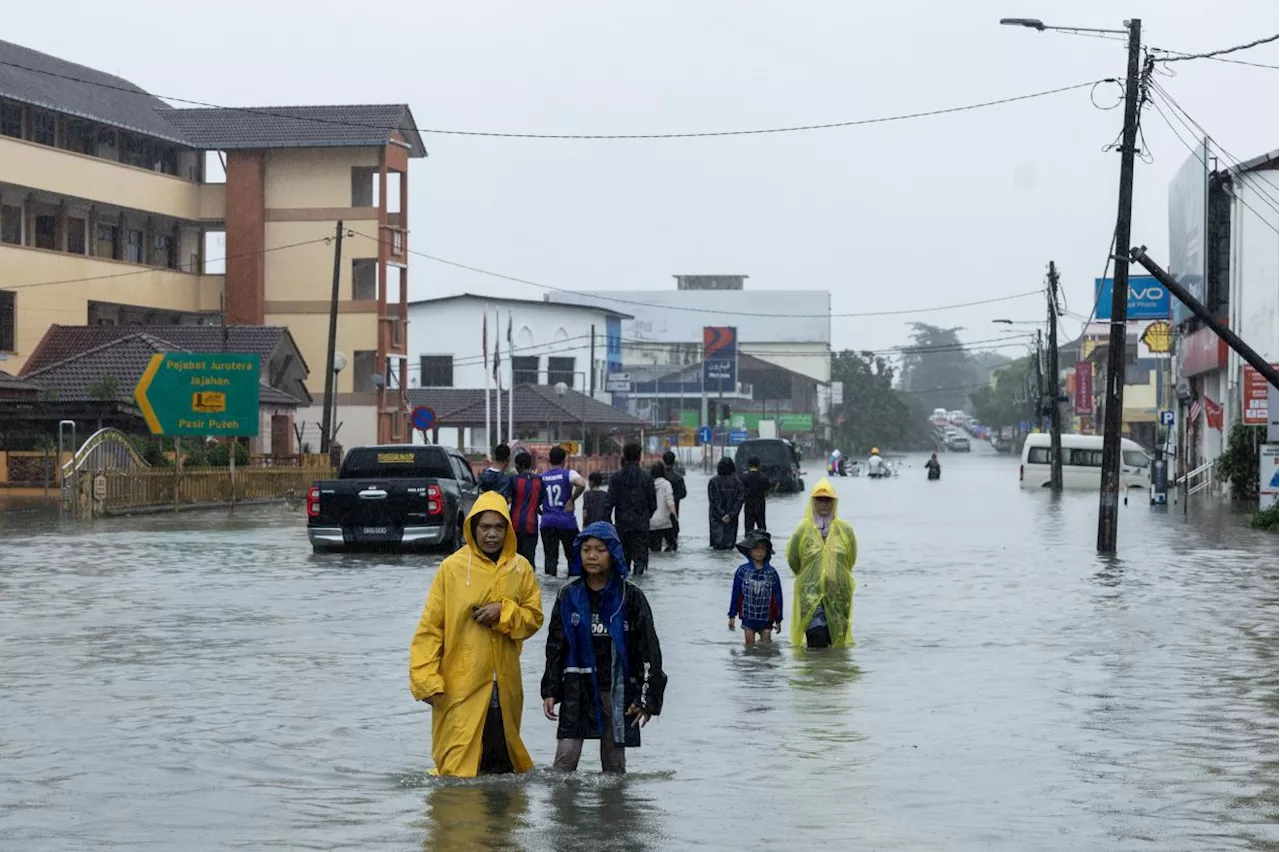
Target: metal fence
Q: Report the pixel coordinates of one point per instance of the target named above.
(191, 487)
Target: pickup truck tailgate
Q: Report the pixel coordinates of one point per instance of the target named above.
(379, 509)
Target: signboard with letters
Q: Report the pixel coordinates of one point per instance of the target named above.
(184, 393)
(1253, 398)
(1268, 474)
(837, 393)
(720, 358)
(1084, 387)
(1148, 299)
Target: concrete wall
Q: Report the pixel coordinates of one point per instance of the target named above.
(39, 166)
(454, 328)
(38, 307)
(314, 177)
(1255, 283)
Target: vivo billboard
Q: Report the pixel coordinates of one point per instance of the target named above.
(1148, 299)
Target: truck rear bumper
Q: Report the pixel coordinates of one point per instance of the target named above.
(334, 536)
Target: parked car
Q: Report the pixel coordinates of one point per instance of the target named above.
(396, 496)
(1082, 462)
(778, 460)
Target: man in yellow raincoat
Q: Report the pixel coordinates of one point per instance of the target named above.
(821, 553)
(465, 658)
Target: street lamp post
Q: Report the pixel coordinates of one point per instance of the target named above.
(339, 364)
(561, 389)
(1113, 413)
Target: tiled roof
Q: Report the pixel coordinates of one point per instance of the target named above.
(45, 81)
(343, 126)
(535, 405)
(13, 383)
(61, 342)
(116, 365)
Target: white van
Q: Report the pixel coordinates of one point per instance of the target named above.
(1082, 462)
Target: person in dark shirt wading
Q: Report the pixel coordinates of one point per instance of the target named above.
(526, 504)
(633, 500)
(604, 663)
(494, 477)
(757, 485)
(675, 476)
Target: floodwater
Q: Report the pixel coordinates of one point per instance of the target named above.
(202, 681)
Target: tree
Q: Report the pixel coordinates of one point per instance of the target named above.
(873, 413)
(936, 369)
(103, 388)
(1005, 401)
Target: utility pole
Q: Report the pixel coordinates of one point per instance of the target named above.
(1055, 407)
(330, 378)
(1113, 411)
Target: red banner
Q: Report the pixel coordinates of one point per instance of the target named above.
(1084, 387)
(1254, 398)
(1212, 414)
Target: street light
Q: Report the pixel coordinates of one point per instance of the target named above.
(561, 389)
(339, 364)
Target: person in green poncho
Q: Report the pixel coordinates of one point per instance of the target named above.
(822, 553)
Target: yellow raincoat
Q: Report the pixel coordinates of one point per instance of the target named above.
(455, 655)
(824, 572)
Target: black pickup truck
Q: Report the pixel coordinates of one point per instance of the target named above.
(391, 497)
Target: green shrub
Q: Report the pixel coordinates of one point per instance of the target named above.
(1239, 462)
(1268, 519)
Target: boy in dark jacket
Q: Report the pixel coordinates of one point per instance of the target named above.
(675, 476)
(757, 484)
(494, 477)
(526, 504)
(595, 503)
(604, 663)
(633, 500)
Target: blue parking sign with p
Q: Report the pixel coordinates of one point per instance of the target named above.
(1166, 417)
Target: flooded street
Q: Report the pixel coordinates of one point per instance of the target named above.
(202, 681)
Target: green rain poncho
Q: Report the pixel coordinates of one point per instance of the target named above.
(824, 572)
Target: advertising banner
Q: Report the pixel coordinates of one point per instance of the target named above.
(1254, 398)
(1188, 193)
(1084, 387)
(720, 358)
(1148, 299)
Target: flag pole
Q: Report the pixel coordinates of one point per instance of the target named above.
(511, 388)
(484, 346)
(497, 369)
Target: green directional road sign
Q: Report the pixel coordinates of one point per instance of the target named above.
(200, 394)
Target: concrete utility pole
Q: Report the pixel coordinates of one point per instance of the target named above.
(1055, 403)
(330, 378)
(1113, 411)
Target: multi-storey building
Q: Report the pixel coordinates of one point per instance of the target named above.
(116, 207)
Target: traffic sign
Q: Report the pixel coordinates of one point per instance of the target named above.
(704, 434)
(423, 418)
(203, 393)
(738, 436)
(1166, 417)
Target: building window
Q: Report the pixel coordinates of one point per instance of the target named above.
(135, 151)
(560, 370)
(364, 366)
(364, 279)
(80, 136)
(8, 320)
(11, 225)
(44, 127)
(133, 247)
(363, 180)
(162, 253)
(11, 119)
(397, 242)
(524, 370)
(109, 241)
(437, 371)
(47, 232)
(76, 236)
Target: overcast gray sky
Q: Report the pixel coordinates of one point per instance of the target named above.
(910, 214)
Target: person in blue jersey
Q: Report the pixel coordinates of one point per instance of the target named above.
(561, 488)
(526, 505)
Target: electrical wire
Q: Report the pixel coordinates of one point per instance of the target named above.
(1215, 54)
(715, 311)
(147, 270)
(573, 136)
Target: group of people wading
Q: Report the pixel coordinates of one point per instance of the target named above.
(603, 667)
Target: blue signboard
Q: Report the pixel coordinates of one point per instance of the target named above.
(720, 358)
(613, 344)
(739, 436)
(423, 418)
(1148, 299)
(704, 434)
(1166, 418)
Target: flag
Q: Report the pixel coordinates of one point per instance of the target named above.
(484, 340)
(510, 345)
(497, 355)
(1212, 414)
(1193, 413)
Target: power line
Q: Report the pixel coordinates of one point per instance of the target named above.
(146, 270)
(1214, 54)
(715, 311)
(575, 136)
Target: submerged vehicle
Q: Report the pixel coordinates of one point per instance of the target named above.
(778, 460)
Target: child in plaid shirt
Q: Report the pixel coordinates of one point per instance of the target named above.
(757, 590)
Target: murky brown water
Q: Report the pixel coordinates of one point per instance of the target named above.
(205, 682)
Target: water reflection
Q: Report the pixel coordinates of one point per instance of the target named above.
(602, 813)
(484, 815)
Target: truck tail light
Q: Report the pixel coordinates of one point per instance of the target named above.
(435, 500)
(313, 502)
